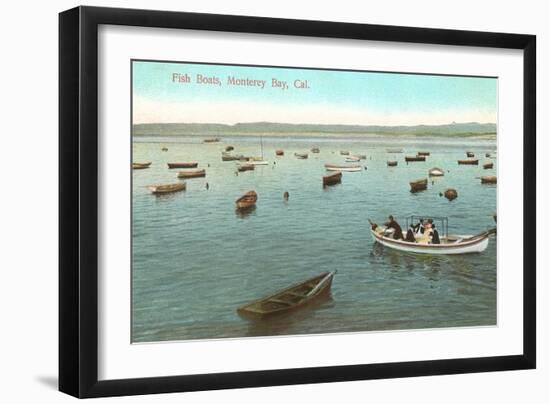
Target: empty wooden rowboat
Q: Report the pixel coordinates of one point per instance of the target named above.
(487, 166)
(489, 179)
(419, 185)
(280, 152)
(332, 179)
(247, 200)
(436, 172)
(409, 159)
(140, 166)
(423, 153)
(468, 162)
(291, 298)
(166, 188)
(245, 167)
(334, 167)
(470, 154)
(301, 155)
(192, 164)
(392, 163)
(192, 174)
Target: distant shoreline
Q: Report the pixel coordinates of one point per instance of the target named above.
(454, 130)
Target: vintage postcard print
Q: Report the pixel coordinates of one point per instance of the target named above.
(271, 201)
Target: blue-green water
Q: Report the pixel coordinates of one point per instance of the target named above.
(195, 260)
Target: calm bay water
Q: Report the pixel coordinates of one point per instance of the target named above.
(195, 260)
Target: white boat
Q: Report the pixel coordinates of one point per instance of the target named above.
(436, 172)
(349, 168)
(352, 159)
(449, 244)
(258, 163)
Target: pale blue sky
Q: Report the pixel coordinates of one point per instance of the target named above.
(332, 97)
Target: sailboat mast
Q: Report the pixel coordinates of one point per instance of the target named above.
(262, 146)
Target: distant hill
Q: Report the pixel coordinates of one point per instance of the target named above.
(208, 129)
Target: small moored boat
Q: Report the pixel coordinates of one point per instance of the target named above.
(245, 167)
(315, 150)
(489, 179)
(468, 162)
(352, 159)
(350, 168)
(392, 163)
(166, 188)
(212, 140)
(436, 172)
(419, 185)
(290, 298)
(332, 179)
(192, 164)
(192, 174)
(301, 155)
(280, 152)
(229, 148)
(410, 159)
(344, 153)
(164, 149)
(423, 153)
(487, 166)
(140, 166)
(247, 200)
(470, 154)
(231, 157)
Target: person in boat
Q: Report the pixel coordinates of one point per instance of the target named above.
(410, 234)
(419, 227)
(435, 235)
(392, 224)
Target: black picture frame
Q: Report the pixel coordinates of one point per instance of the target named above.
(78, 200)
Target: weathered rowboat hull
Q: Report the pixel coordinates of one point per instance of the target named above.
(474, 244)
(291, 298)
(140, 166)
(245, 167)
(332, 179)
(410, 159)
(192, 174)
(468, 162)
(487, 166)
(423, 153)
(247, 200)
(192, 164)
(419, 185)
(280, 152)
(392, 163)
(489, 179)
(166, 188)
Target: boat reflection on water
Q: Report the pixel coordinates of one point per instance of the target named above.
(286, 323)
(243, 213)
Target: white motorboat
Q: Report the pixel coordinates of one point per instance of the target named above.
(449, 244)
